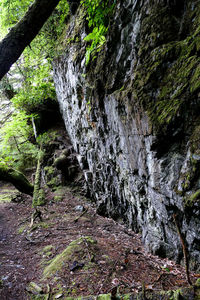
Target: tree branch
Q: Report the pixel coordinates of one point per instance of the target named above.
(21, 35)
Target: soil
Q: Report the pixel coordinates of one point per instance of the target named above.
(119, 259)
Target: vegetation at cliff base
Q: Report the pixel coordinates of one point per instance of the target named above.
(30, 79)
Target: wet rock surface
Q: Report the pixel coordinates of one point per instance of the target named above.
(139, 166)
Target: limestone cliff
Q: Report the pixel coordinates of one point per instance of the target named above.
(133, 118)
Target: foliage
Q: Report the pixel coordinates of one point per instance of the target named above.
(34, 67)
(98, 20)
(31, 99)
(46, 138)
(98, 11)
(11, 11)
(55, 26)
(97, 36)
(34, 70)
(15, 147)
(31, 78)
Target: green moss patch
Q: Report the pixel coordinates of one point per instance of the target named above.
(169, 68)
(51, 177)
(76, 251)
(192, 199)
(21, 229)
(41, 225)
(48, 248)
(6, 194)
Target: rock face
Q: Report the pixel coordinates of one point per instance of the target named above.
(132, 116)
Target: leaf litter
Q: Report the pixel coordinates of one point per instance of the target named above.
(117, 259)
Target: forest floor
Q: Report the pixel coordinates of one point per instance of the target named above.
(117, 258)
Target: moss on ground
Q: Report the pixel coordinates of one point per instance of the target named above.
(5, 197)
(192, 293)
(6, 194)
(60, 192)
(47, 251)
(74, 252)
(41, 225)
(21, 229)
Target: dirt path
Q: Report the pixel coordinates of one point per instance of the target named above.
(119, 258)
(17, 261)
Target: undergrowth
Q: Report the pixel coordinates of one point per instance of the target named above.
(99, 13)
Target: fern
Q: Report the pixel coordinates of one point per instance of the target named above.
(98, 20)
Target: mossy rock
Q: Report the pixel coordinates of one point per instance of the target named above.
(54, 183)
(57, 198)
(61, 162)
(170, 68)
(51, 177)
(34, 288)
(74, 252)
(5, 197)
(47, 250)
(6, 194)
(192, 199)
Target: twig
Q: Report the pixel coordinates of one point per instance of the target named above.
(64, 228)
(126, 284)
(185, 252)
(159, 278)
(77, 218)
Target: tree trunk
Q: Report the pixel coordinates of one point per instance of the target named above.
(38, 192)
(21, 35)
(24, 32)
(17, 179)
